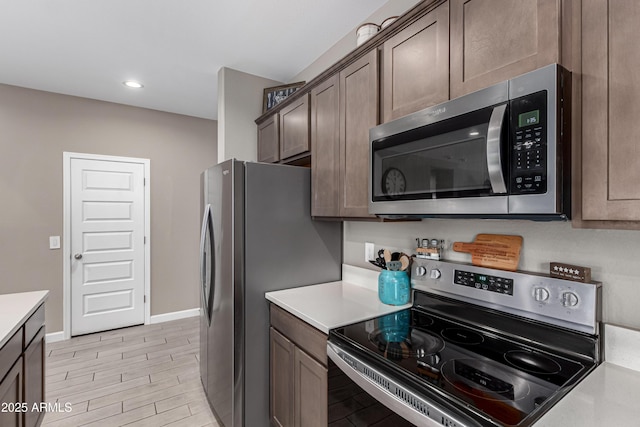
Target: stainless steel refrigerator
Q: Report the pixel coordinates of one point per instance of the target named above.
(257, 236)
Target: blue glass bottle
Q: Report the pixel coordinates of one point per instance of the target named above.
(394, 287)
(395, 326)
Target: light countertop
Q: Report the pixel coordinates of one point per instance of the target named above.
(331, 305)
(15, 309)
(608, 396)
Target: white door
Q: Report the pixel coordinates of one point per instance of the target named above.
(107, 245)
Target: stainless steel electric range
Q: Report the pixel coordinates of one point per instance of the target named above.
(479, 347)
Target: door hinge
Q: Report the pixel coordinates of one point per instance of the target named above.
(144, 182)
(145, 240)
(145, 299)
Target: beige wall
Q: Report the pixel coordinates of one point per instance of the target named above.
(239, 105)
(348, 42)
(37, 127)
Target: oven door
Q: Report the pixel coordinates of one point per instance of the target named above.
(407, 399)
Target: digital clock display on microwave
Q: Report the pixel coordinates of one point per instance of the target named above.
(529, 118)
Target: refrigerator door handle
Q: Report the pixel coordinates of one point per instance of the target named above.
(206, 254)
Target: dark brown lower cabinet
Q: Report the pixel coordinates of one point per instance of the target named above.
(22, 386)
(281, 380)
(298, 374)
(34, 379)
(10, 396)
(309, 391)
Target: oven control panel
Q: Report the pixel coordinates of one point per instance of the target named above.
(486, 282)
(564, 303)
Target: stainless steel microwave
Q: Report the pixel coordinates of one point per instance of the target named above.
(503, 151)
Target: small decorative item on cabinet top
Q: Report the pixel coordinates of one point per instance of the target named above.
(274, 95)
(365, 32)
(388, 22)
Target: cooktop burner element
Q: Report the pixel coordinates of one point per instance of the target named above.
(462, 336)
(396, 344)
(461, 360)
(535, 363)
(483, 379)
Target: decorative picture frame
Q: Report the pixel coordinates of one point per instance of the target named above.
(272, 96)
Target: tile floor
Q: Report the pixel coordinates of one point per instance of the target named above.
(138, 376)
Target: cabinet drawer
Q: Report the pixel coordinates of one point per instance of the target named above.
(33, 325)
(303, 335)
(10, 353)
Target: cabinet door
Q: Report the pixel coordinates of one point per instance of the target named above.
(34, 379)
(416, 65)
(268, 140)
(610, 108)
(494, 40)
(281, 380)
(325, 148)
(11, 393)
(294, 128)
(310, 391)
(358, 113)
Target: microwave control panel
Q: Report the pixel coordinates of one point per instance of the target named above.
(528, 138)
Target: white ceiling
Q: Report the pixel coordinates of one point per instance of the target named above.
(175, 48)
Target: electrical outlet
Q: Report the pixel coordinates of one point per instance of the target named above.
(369, 251)
(54, 242)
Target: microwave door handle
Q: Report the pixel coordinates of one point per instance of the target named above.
(494, 158)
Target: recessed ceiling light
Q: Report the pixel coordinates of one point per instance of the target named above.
(133, 84)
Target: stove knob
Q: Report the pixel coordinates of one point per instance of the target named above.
(435, 273)
(540, 294)
(569, 299)
(421, 271)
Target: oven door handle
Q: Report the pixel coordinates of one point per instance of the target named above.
(494, 155)
(404, 402)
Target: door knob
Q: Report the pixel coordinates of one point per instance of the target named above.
(78, 256)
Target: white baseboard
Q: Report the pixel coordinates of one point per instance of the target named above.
(158, 318)
(176, 315)
(54, 336)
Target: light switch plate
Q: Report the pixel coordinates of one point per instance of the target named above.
(54, 242)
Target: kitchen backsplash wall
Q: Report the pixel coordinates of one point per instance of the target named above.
(612, 255)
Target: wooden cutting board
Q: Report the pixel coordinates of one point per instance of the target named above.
(499, 251)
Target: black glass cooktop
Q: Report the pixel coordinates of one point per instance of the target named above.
(477, 368)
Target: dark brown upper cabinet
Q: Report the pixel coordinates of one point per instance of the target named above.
(269, 140)
(495, 40)
(415, 65)
(294, 128)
